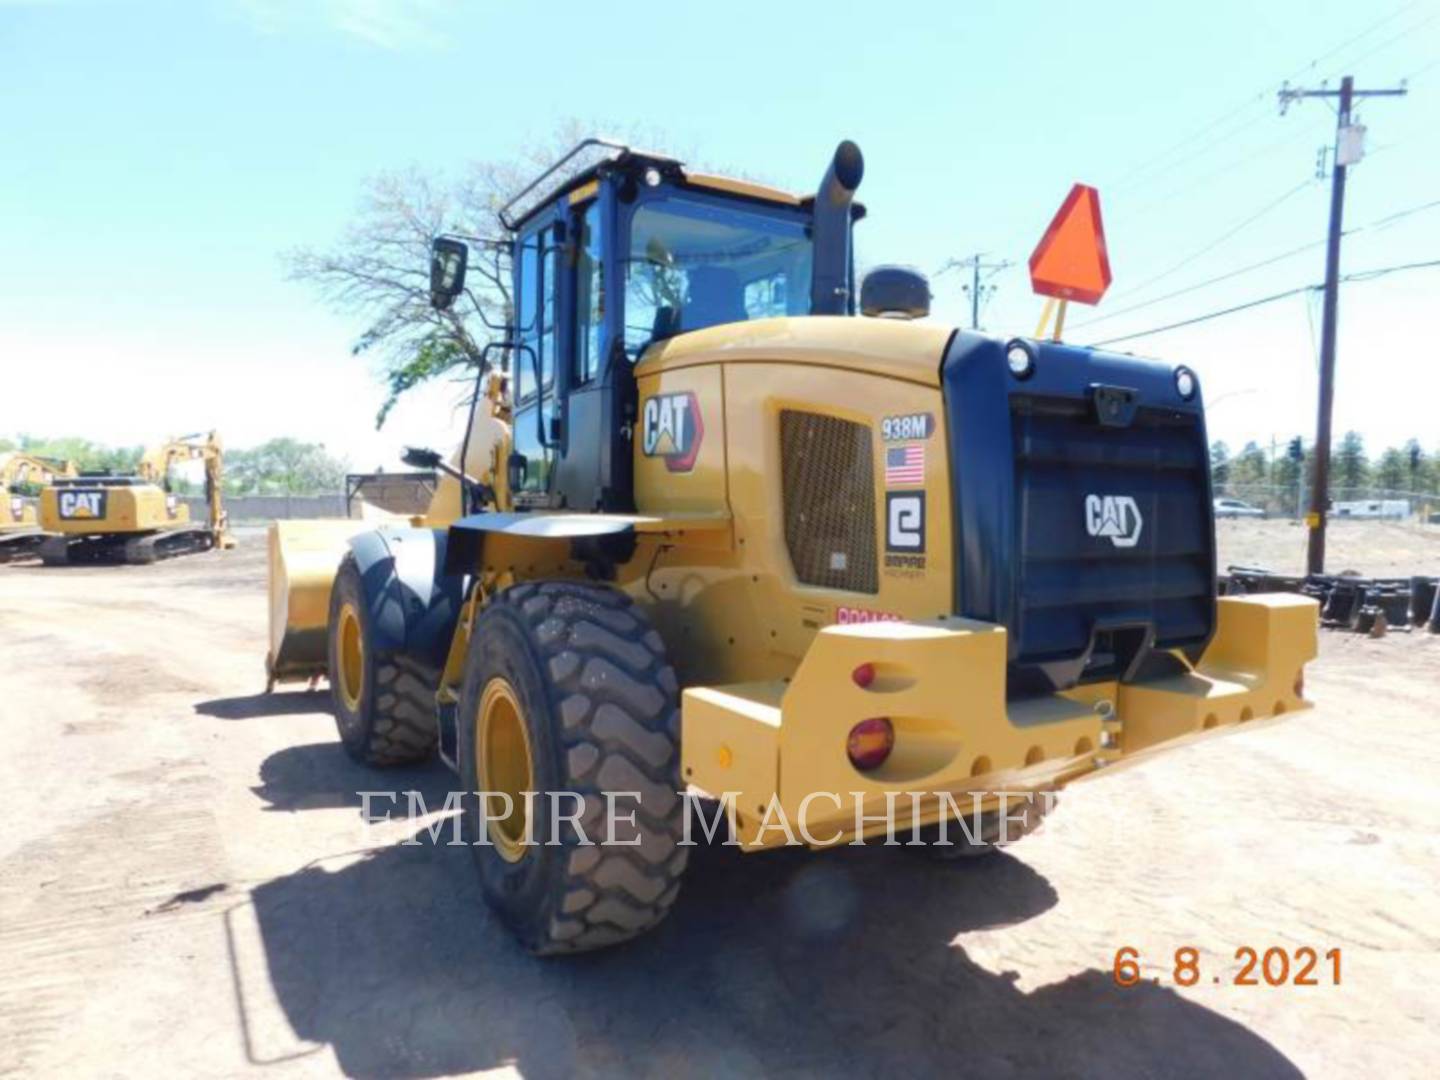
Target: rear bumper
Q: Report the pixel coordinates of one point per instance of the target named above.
(779, 749)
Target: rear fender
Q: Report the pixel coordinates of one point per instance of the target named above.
(412, 601)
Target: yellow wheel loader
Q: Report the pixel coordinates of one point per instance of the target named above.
(725, 524)
(21, 476)
(135, 519)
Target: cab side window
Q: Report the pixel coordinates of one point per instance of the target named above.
(527, 306)
(589, 297)
(536, 305)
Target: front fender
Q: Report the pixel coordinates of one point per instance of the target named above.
(413, 603)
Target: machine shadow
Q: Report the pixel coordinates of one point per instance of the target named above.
(786, 962)
(315, 776)
(256, 706)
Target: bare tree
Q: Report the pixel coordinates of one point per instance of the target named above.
(380, 268)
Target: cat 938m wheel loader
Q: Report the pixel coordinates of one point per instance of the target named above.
(716, 527)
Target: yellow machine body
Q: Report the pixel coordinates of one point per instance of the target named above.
(136, 515)
(84, 511)
(16, 511)
(766, 661)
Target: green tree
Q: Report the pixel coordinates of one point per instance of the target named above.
(380, 268)
(1392, 471)
(1219, 464)
(1250, 467)
(1352, 467)
(283, 466)
(87, 456)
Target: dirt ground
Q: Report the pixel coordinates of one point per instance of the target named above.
(1370, 548)
(190, 891)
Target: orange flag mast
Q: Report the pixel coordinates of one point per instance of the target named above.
(1070, 262)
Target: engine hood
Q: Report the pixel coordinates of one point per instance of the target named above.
(893, 348)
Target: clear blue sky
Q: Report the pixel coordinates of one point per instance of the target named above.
(158, 157)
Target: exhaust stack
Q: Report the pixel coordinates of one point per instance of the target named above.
(830, 275)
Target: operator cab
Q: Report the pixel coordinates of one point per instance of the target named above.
(611, 258)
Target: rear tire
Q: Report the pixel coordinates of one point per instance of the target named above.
(384, 703)
(588, 678)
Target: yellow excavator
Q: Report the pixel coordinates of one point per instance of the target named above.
(21, 476)
(135, 518)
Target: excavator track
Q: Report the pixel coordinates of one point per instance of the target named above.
(15, 546)
(168, 544)
(118, 548)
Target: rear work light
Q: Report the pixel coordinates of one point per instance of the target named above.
(870, 743)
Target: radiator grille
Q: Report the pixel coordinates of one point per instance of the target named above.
(1070, 581)
(828, 489)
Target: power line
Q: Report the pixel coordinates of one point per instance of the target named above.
(979, 290)
(1260, 97)
(1266, 209)
(1391, 41)
(1358, 276)
(1206, 317)
(1201, 285)
(1376, 225)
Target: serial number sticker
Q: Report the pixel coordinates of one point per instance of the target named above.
(1250, 966)
(909, 426)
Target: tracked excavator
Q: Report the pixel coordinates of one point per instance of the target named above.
(135, 518)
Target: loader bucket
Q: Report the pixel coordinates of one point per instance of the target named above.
(303, 559)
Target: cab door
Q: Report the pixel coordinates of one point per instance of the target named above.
(537, 435)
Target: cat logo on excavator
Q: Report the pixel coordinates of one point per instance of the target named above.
(76, 505)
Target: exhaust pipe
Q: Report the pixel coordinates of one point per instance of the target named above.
(830, 273)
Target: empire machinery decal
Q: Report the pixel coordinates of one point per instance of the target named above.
(905, 530)
(671, 428)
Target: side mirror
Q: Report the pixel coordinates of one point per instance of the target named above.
(895, 292)
(418, 457)
(515, 471)
(448, 259)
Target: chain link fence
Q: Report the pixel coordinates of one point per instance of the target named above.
(252, 509)
(1364, 504)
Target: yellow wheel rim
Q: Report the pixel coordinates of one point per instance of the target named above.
(503, 764)
(352, 657)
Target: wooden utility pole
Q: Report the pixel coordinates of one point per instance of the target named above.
(976, 288)
(1348, 150)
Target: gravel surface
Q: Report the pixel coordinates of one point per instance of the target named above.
(192, 892)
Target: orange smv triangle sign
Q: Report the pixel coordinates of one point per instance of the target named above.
(1070, 262)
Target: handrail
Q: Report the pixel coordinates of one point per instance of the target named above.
(584, 144)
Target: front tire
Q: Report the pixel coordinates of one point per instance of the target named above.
(567, 689)
(384, 705)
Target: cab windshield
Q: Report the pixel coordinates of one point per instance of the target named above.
(695, 263)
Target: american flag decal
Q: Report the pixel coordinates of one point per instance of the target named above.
(905, 465)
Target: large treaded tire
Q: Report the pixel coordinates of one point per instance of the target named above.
(600, 708)
(395, 722)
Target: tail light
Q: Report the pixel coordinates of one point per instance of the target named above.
(870, 743)
(863, 676)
